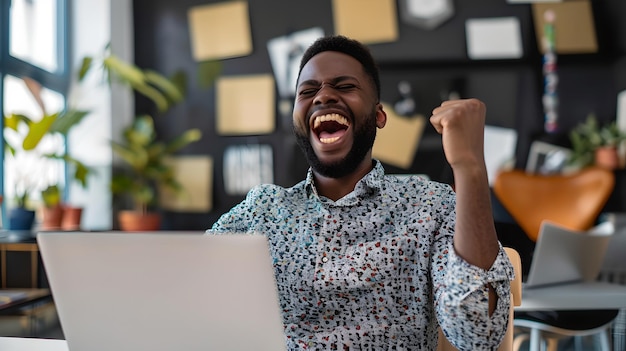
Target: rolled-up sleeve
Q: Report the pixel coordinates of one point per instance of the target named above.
(462, 300)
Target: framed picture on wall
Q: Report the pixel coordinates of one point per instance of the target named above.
(544, 158)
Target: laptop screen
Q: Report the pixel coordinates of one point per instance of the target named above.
(163, 291)
(564, 256)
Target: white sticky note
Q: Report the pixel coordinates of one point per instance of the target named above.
(493, 38)
(500, 144)
(621, 110)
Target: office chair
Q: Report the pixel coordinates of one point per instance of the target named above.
(516, 300)
(573, 201)
(548, 328)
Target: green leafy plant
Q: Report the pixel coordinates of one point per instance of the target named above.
(163, 91)
(590, 135)
(144, 155)
(51, 196)
(146, 158)
(30, 132)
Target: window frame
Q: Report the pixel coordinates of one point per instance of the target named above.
(58, 81)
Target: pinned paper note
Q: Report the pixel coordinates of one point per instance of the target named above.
(369, 21)
(500, 145)
(574, 29)
(396, 143)
(220, 30)
(245, 105)
(621, 110)
(195, 175)
(494, 38)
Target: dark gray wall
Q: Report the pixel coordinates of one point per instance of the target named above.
(430, 60)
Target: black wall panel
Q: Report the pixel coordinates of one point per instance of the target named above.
(432, 60)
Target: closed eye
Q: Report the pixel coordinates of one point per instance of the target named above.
(340, 87)
(308, 92)
(345, 87)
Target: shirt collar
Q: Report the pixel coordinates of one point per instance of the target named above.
(370, 182)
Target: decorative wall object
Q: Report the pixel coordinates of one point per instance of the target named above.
(369, 21)
(550, 77)
(245, 105)
(426, 14)
(544, 158)
(220, 30)
(285, 53)
(405, 106)
(246, 166)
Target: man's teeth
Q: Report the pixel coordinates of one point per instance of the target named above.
(329, 140)
(331, 117)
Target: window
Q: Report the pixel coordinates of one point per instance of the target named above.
(33, 33)
(33, 43)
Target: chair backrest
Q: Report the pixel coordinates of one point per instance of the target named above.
(516, 300)
(572, 200)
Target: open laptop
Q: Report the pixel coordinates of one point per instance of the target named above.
(565, 256)
(163, 291)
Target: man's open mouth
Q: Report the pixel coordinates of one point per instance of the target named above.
(329, 128)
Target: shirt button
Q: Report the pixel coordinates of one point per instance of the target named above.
(324, 259)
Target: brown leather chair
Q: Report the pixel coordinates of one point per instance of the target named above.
(571, 200)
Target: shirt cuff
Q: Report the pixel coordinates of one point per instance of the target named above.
(463, 278)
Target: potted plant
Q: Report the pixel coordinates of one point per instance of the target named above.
(27, 135)
(147, 171)
(22, 215)
(52, 211)
(596, 144)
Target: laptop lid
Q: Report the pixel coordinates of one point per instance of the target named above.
(562, 255)
(163, 291)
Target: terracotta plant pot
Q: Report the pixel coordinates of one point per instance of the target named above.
(71, 218)
(607, 157)
(51, 217)
(133, 221)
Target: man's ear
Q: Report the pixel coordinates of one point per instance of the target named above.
(381, 116)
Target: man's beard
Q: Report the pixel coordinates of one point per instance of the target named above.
(364, 136)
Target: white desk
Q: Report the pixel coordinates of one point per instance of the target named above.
(575, 296)
(32, 344)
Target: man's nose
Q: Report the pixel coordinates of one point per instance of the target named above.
(326, 94)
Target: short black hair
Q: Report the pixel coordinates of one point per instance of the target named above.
(346, 46)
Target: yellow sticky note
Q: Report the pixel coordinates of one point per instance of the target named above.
(369, 21)
(220, 30)
(195, 175)
(574, 28)
(245, 105)
(396, 144)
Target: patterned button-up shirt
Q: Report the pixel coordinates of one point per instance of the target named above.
(375, 270)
